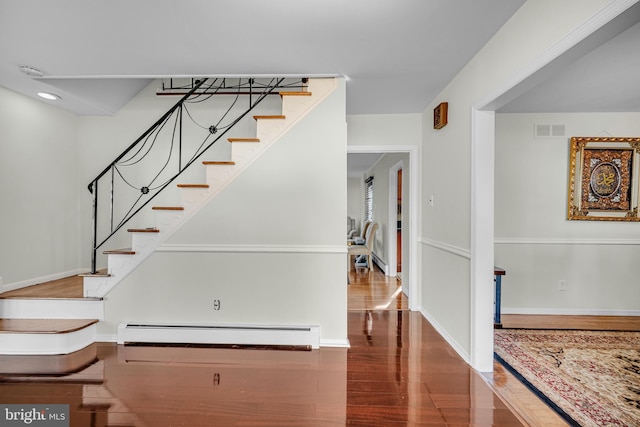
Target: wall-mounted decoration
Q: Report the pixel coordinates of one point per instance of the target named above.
(603, 179)
(440, 115)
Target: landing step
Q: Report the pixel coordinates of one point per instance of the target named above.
(44, 326)
(167, 208)
(243, 139)
(279, 117)
(193, 185)
(216, 162)
(45, 336)
(126, 251)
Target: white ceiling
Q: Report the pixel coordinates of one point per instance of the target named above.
(396, 55)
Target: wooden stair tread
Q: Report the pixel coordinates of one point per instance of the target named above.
(44, 326)
(295, 93)
(66, 288)
(193, 185)
(243, 139)
(143, 230)
(126, 251)
(218, 162)
(275, 117)
(167, 208)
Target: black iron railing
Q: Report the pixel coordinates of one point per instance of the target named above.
(160, 155)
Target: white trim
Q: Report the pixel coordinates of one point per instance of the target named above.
(482, 237)
(51, 308)
(563, 241)
(315, 249)
(413, 289)
(571, 311)
(42, 279)
(344, 343)
(106, 338)
(448, 338)
(461, 252)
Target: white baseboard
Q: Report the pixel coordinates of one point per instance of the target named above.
(570, 311)
(335, 343)
(106, 338)
(448, 338)
(308, 335)
(37, 280)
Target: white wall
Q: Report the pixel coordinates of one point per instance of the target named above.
(448, 298)
(537, 244)
(39, 218)
(271, 246)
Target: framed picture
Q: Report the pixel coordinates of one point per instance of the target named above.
(440, 115)
(603, 179)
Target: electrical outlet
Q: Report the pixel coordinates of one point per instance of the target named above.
(562, 285)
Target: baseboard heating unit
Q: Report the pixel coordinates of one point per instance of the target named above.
(219, 334)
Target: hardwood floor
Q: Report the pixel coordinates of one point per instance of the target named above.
(398, 371)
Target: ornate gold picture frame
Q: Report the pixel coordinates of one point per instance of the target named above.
(603, 179)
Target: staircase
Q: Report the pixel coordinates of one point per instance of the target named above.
(62, 325)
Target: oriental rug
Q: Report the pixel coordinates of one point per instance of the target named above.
(591, 378)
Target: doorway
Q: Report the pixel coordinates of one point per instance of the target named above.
(407, 189)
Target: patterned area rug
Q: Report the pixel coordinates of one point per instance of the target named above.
(592, 378)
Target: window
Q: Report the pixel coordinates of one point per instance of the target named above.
(368, 199)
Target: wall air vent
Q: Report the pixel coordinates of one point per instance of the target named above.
(549, 131)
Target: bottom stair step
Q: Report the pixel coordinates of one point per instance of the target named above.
(46, 336)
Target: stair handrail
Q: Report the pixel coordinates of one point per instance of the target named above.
(178, 106)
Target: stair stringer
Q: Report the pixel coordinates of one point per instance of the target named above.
(218, 177)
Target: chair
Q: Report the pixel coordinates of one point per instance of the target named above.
(355, 250)
(359, 240)
(351, 227)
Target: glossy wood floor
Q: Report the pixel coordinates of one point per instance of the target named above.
(398, 371)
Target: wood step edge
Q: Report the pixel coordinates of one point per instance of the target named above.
(193, 185)
(31, 298)
(44, 326)
(295, 93)
(243, 139)
(143, 230)
(167, 208)
(217, 162)
(275, 117)
(126, 251)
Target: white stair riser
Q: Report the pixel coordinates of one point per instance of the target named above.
(193, 197)
(217, 175)
(36, 343)
(141, 241)
(51, 309)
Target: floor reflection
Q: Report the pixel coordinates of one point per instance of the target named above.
(398, 371)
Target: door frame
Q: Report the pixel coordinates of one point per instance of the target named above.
(410, 272)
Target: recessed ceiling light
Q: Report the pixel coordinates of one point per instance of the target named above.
(49, 96)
